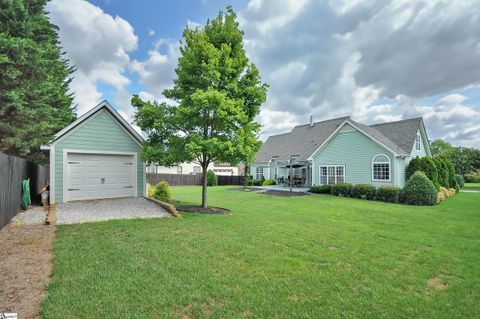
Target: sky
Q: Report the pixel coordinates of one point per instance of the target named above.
(375, 61)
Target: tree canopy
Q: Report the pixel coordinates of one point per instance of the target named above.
(215, 97)
(34, 79)
(466, 160)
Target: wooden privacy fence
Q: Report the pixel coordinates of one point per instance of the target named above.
(192, 179)
(13, 170)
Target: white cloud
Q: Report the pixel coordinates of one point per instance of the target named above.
(151, 32)
(97, 44)
(340, 58)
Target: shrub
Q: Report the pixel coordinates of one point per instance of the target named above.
(342, 189)
(429, 168)
(212, 179)
(460, 180)
(150, 190)
(414, 165)
(453, 191)
(262, 179)
(268, 182)
(440, 197)
(442, 171)
(419, 190)
(451, 174)
(321, 189)
(471, 178)
(447, 193)
(162, 192)
(364, 191)
(390, 194)
(254, 182)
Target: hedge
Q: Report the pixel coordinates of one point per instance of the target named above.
(460, 180)
(390, 194)
(363, 191)
(342, 189)
(268, 182)
(321, 189)
(470, 178)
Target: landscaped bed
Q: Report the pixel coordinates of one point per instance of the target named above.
(315, 256)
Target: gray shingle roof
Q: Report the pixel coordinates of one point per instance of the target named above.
(303, 140)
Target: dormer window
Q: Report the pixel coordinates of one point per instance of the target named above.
(417, 142)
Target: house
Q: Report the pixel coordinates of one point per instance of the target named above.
(195, 168)
(342, 150)
(97, 156)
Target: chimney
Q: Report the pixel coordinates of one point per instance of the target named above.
(311, 120)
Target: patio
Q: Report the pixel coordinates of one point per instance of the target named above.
(284, 188)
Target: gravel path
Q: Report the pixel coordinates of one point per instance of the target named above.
(35, 215)
(106, 209)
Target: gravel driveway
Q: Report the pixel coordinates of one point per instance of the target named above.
(106, 209)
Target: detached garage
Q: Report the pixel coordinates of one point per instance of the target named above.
(96, 157)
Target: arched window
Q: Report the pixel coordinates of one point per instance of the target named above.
(381, 171)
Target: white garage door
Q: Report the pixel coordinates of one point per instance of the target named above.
(94, 176)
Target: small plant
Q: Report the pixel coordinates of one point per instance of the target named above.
(150, 190)
(262, 179)
(419, 190)
(342, 189)
(364, 191)
(162, 192)
(321, 189)
(254, 182)
(447, 193)
(212, 179)
(389, 194)
(440, 197)
(268, 182)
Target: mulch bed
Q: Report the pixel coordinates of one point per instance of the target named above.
(25, 266)
(284, 193)
(201, 210)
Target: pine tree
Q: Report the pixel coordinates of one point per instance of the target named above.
(34, 79)
(414, 165)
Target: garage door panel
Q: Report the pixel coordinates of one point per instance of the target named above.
(93, 176)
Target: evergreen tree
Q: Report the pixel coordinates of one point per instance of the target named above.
(414, 165)
(430, 169)
(34, 79)
(443, 172)
(218, 94)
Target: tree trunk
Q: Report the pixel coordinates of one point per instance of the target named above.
(204, 186)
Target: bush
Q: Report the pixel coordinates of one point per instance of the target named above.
(453, 191)
(447, 193)
(150, 190)
(442, 171)
(254, 182)
(390, 194)
(451, 174)
(342, 189)
(364, 191)
(429, 168)
(440, 197)
(419, 190)
(414, 165)
(471, 178)
(321, 189)
(460, 180)
(262, 179)
(162, 192)
(268, 182)
(212, 179)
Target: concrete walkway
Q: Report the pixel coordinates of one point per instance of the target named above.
(469, 191)
(284, 188)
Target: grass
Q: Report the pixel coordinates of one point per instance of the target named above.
(472, 186)
(315, 256)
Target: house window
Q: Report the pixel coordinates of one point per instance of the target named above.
(197, 169)
(417, 142)
(179, 170)
(332, 174)
(258, 172)
(275, 173)
(381, 168)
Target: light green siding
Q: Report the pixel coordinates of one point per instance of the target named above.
(102, 132)
(356, 151)
(266, 170)
(402, 164)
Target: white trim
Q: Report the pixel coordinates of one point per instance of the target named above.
(335, 166)
(64, 173)
(104, 104)
(52, 175)
(389, 168)
(418, 144)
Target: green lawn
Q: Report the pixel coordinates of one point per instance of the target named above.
(303, 257)
(472, 186)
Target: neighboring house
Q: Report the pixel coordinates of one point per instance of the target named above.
(194, 168)
(97, 156)
(342, 150)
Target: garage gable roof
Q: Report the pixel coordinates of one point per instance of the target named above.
(102, 105)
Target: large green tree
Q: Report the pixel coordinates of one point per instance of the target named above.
(466, 160)
(216, 95)
(34, 79)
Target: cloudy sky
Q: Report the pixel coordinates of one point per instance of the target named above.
(374, 60)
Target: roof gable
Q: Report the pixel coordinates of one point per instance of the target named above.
(90, 114)
(402, 133)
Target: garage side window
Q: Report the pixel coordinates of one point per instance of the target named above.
(381, 170)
